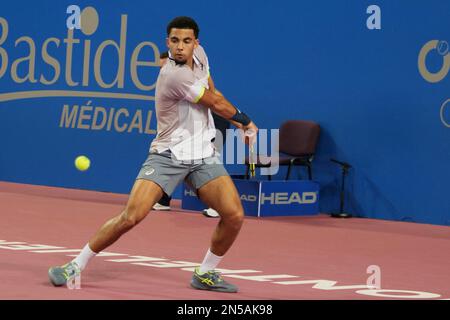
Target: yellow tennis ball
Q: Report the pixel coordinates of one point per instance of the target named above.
(82, 163)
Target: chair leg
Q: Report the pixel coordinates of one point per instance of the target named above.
(288, 171)
(309, 171)
(247, 176)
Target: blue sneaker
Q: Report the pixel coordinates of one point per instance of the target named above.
(211, 280)
(60, 275)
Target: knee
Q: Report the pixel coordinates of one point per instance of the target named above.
(126, 222)
(130, 217)
(235, 218)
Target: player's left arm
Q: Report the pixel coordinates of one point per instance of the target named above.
(211, 85)
(213, 88)
(182, 85)
(220, 105)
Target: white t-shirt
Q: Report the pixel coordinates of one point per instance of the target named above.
(184, 127)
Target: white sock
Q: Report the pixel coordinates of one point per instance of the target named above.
(210, 262)
(83, 258)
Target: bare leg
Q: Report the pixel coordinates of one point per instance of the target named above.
(143, 196)
(229, 208)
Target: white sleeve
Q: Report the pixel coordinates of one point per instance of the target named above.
(182, 85)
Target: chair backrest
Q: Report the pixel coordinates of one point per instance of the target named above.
(299, 137)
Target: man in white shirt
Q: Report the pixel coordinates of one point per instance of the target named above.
(220, 124)
(181, 151)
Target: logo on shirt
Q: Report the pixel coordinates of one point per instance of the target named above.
(149, 172)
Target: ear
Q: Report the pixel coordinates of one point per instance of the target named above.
(167, 42)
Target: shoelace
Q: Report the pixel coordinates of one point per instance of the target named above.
(71, 269)
(215, 275)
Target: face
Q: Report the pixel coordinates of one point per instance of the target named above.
(181, 44)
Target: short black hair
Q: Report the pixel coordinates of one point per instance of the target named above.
(183, 23)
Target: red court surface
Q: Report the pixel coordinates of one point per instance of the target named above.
(287, 258)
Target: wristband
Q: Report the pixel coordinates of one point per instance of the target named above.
(241, 118)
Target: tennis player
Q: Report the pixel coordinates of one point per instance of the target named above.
(181, 151)
(220, 124)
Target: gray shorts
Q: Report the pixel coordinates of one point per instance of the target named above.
(168, 173)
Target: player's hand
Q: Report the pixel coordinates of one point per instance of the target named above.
(250, 132)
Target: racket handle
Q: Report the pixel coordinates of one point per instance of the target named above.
(251, 162)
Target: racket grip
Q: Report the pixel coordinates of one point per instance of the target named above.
(252, 161)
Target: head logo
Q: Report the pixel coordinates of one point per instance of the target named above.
(442, 49)
(286, 198)
(248, 197)
(189, 192)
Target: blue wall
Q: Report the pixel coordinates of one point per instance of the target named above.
(277, 60)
